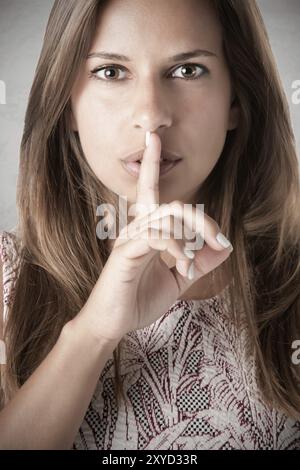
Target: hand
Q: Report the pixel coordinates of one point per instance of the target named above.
(136, 287)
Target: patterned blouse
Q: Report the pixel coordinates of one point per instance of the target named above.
(189, 381)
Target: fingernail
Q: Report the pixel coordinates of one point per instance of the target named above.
(222, 240)
(189, 253)
(191, 272)
(147, 138)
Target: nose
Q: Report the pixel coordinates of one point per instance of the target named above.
(151, 109)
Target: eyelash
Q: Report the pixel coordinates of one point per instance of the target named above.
(115, 66)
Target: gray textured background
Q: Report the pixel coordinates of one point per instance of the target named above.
(22, 27)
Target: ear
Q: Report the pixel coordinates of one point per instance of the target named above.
(234, 115)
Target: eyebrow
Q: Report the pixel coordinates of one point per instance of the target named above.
(177, 57)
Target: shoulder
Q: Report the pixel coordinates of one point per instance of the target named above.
(9, 246)
(9, 257)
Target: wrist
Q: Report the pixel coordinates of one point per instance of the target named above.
(81, 330)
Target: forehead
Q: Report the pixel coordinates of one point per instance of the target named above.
(137, 25)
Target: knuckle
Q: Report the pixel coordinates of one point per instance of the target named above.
(177, 207)
(212, 221)
(216, 227)
(177, 203)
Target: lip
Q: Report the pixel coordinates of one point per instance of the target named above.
(133, 167)
(165, 155)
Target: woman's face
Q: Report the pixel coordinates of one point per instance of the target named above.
(186, 101)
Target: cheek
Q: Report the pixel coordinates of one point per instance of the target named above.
(90, 118)
(95, 127)
(209, 137)
(212, 125)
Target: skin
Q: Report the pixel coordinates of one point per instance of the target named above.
(191, 116)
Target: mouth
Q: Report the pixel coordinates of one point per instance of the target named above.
(133, 167)
(165, 157)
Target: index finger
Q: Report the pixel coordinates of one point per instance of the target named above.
(147, 194)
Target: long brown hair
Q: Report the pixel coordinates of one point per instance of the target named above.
(256, 179)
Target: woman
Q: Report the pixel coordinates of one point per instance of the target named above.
(197, 368)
